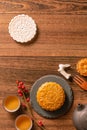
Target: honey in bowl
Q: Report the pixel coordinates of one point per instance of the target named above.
(23, 122)
(11, 103)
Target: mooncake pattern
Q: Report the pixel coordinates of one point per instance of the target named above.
(81, 67)
(50, 96)
(22, 28)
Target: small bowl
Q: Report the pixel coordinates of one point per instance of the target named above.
(11, 103)
(23, 122)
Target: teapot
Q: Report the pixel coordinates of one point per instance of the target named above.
(80, 117)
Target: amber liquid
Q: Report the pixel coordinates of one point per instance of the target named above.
(11, 103)
(23, 123)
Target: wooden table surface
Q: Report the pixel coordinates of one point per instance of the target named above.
(61, 38)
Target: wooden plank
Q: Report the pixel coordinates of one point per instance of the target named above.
(62, 25)
(29, 69)
(54, 38)
(45, 6)
(61, 38)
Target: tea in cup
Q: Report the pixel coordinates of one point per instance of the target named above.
(23, 122)
(11, 103)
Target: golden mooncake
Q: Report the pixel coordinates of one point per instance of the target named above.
(81, 67)
(50, 96)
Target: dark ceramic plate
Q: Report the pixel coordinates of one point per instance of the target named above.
(68, 92)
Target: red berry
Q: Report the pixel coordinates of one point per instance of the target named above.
(40, 123)
(23, 87)
(19, 86)
(21, 83)
(19, 91)
(20, 94)
(26, 90)
(17, 82)
(28, 99)
(23, 105)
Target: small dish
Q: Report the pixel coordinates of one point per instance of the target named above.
(68, 92)
(11, 103)
(23, 122)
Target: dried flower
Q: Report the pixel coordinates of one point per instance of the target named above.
(24, 93)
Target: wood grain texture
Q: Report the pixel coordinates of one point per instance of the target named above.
(61, 38)
(62, 25)
(29, 69)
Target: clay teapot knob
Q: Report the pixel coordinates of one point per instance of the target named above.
(80, 107)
